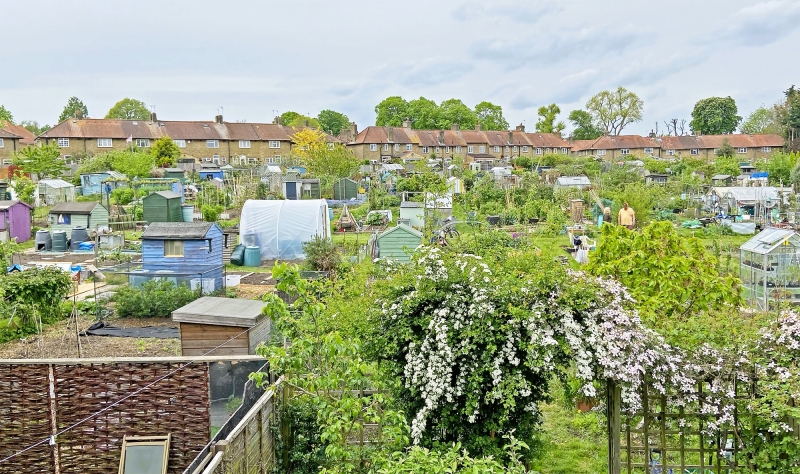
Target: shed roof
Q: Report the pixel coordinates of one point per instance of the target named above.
(749, 193)
(177, 230)
(56, 183)
(166, 194)
(720, 176)
(74, 207)
(768, 239)
(411, 204)
(6, 204)
(573, 181)
(402, 228)
(221, 312)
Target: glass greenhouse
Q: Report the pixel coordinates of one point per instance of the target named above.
(769, 268)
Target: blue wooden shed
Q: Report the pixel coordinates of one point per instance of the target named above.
(93, 183)
(183, 252)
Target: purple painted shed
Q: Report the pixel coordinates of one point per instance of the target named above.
(15, 221)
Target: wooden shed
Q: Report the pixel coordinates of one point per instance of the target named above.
(310, 188)
(162, 206)
(399, 242)
(68, 215)
(208, 322)
(190, 251)
(15, 221)
(345, 189)
(175, 173)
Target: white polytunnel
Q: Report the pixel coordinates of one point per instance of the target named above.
(279, 228)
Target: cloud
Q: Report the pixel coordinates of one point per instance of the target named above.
(761, 24)
(567, 90)
(433, 72)
(645, 70)
(505, 10)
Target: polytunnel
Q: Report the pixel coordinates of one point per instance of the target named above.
(279, 227)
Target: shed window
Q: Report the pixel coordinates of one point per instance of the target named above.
(144, 455)
(173, 248)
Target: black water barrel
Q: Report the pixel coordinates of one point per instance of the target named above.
(43, 241)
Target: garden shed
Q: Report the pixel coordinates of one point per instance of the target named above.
(162, 206)
(209, 322)
(208, 173)
(15, 221)
(94, 183)
(455, 185)
(769, 268)
(399, 242)
(53, 191)
(185, 252)
(413, 213)
(279, 227)
(345, 189)
(175, 173)
(578, 182)
(68, 215)
(310, 188)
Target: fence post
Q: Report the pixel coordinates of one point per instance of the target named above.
(613, 407)
(51, 392)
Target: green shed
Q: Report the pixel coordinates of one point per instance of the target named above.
(175, 173)
(398, 242)
(309, 188)
(162, 206)
(345, 189)
(68, 215)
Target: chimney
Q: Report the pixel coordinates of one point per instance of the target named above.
(277, 120)
(652, 134)
(455, 127)
(521, 128)
(153, 117)
(390, 134)
(441, 137)
(354, 130)
(78, 113)
(510, 137)
(478, 127)
(218, 119)
(407, 123)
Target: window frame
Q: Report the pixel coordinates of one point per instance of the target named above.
(373, 147)
(2, 143)
(470, 149)
(212, 143)
(244, 144)
(766, 149)
(482, 149)
(174, 255)
(741, 150)
(525, 149)
(409, 147)
(624, 151)
(670, 153)
(458, 149)
(385, 147)
(128, 441)
(601, 152)
(142, 143)
(447, 149)
(105, 143)
(648, 150)
(396, 147)
(277, 159)
(538, 151)
(496, 149)
(424, 149)
(62, 142)
(694, 151)
(179, 143)
(274, 143)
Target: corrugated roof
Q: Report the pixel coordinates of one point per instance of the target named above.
(55, 183)
(770, 238)
(573, 181)
(74, 208)
(176, 230)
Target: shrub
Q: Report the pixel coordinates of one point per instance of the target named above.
(155, 299)
(211, 212)
(322, 254)
(122, 195)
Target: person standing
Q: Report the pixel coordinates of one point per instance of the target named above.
(626, 216)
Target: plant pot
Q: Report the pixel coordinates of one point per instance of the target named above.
(533, 220)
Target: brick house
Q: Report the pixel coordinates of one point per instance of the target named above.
(13, 138)
(617, 147)
(750, 147)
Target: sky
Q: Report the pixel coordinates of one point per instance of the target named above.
(192, 59)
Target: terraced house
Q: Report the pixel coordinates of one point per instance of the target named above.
(618, 147)
(215, 141)
(12, 139)
(747, 147)
(490, 148)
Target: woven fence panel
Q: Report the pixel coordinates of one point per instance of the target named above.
(24, 418)
(177, 405)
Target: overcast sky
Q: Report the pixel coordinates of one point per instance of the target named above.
(190, 57)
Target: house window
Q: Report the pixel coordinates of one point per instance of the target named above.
(424, 149)
(373, 147)
(601, 153)
(63, 142)
(547, 151)
(7, 162)
(2, 145)
(244, 143)
(766, 149)
(694, 151)
(396, 147)
(648, 150)
(742, 150)
(507, 150)
(538, 151)
(144, 454)
(438, 150)
(274, 144)
(212, 143)
(104, 143)
(215, 159)
(458, 149)
(481, 149)
(255, 160)
(386, 147)
(278, 159)
(497, 149)
(143, 143)
(447, 150)
(625, 151)
(409, 146)
(524, 149)
(173, 248)
(470, 149)
(670, 152)
(564, 151)
(180, 143)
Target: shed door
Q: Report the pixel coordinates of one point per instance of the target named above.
(291, 190)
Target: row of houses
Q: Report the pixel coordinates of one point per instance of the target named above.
(219, 142)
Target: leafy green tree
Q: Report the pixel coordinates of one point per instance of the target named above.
(129, 109)
(288, 117)
(34, 127)
(5, 115)
(715, 116)
(73, 104)
(670, 276)
(391, 112)
(165, 152)
(332, 122)
(547, 119)
(24, 188)
(293, 119)
(614, 110)
(780, 166)
(455, 111)
(424, 114)
(726, 165)
(788, 115)
(726, 150)
(585, 128)
(762, 120)
(491, 116)
(43, 160)
(131, 163)
(328, 162)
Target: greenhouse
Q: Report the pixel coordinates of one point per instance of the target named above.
(769, 268)
(279, 227)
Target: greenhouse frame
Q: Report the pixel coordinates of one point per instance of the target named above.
(769, 268)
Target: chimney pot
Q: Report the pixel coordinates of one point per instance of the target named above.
(390, 133)
(441, 137)
(456, 127)
(521, 128)
(153, 117)
(510, 137)
(478, 127)
(278, 120)
(218, 119)
(354, 129)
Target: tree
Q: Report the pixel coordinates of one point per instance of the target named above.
(332, 122)
(788, 115)
(293, 119)
(129, 109)
(328, 162)
(24, 188)
(491, 116)
(34, 127)
(547, 119)
(676, 127)
(165, 152)
(131, 163)
(715, 116)
(726, 164)
(725, 150)
(455, 111)
(585, 128)
(780, 166)
(762, 120)
(614, 110)
(391, 112)
(42, 160)
(5, 115)
(74, 105)
(424, 114)
(288, 117)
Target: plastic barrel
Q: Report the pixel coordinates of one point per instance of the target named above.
(59, 241)
(252, 256)
(43, 240)
(330, 214)
(188, 213)
(78, 235)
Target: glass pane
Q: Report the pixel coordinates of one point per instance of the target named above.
(144, 459)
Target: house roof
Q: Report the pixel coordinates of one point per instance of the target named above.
(402, 228)
(615, 142)
(6, 134)
(177, 230)
(6, 204)
(770, 238)
(26, 137)
(74, 207)
(736, 140)
(402, 135)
